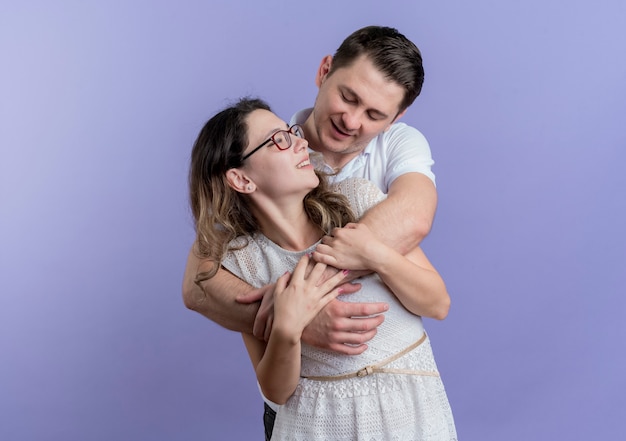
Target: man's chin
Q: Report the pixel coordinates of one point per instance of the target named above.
(335, 148)
(332, 144)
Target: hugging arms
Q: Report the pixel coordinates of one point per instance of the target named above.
(401, 221)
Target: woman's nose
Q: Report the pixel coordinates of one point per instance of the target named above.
(299, 143)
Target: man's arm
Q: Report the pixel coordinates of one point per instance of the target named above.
(217, 302)
(411, 277)
(400, 221)
(403, 219)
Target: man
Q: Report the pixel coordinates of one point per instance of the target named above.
(368, 84)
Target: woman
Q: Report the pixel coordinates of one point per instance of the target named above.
(260, 210)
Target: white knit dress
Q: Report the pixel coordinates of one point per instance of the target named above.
(381, 406)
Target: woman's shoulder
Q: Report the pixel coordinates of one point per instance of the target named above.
(361, 193)
(246, 259)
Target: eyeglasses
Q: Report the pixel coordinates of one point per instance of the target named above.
(281, 139)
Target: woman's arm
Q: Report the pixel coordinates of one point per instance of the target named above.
(411, 277)
(297, 300)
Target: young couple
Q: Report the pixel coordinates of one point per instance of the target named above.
(270, 225)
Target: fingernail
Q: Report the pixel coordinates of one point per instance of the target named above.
(345, 272)
(340, 290)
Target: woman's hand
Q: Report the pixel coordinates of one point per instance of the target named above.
(300, 296)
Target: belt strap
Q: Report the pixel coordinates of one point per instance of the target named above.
(379, 369)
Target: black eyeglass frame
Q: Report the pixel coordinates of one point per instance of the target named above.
(293, 130)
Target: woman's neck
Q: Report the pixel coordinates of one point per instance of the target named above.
(291, 230)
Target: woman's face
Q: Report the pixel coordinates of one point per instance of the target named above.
(276, 172)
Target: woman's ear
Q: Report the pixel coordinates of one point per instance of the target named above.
(322, 71)
(238, 181)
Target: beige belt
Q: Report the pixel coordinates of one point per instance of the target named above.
(379, 369)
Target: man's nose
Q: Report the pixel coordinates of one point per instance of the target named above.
(351, 120)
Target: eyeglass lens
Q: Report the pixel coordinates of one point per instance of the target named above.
(282, 138)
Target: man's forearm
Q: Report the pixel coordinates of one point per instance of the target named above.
(216, 299)
(403, 219)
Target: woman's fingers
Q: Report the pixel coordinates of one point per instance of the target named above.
(300, 270)
(281, 283)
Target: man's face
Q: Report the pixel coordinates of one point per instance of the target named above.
(353, 105)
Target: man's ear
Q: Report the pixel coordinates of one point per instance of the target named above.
(322, 71)
(238, 181)
(398, 116)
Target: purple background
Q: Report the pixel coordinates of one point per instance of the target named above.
(524, 105)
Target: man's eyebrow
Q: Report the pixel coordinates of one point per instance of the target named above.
(378, 113)
(349, 91)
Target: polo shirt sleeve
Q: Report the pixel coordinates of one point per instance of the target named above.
(407, 151)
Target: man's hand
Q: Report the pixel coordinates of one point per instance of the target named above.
(341, 326)
(348, 247)
(345, 327)
(265, 316)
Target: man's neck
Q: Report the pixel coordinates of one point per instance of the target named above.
(337, 161)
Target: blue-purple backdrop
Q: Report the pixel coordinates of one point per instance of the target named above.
(524, 106)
